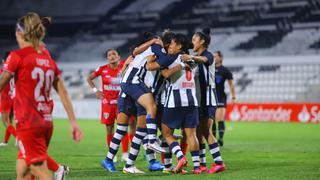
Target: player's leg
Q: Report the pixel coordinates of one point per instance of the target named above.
(183, 142)
(202, 146)
(6, 122)
(171, 119)
(122, 127)
(220, 117)
(22, 170)
(41, 170)
(190, 125)
(140, 134)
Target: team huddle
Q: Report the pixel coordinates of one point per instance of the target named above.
(159, 87)
(165, 88)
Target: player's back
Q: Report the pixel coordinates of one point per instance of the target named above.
(34, 74)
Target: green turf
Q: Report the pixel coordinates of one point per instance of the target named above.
(252, 151)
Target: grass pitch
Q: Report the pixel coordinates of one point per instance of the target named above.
(251, 151)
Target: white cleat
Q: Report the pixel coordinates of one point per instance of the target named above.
(3, 144)
(132, 170)
(62, 172)
(156, 147)
(124, 157)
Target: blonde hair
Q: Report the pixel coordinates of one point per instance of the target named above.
(32, 26)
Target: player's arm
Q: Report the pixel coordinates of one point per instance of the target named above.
(168, 72)
(4, 79)
(97, 92)
(232, 90)
(198, 59)
(152, 65)
(145, 46)
(63, 94)
(126, 64)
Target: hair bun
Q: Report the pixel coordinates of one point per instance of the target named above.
(46, 21)
(206, 31)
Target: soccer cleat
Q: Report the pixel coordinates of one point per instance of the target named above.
(197, 171)
(220, 142)
(3, 144)
(156, 147)
(168, 170)
(61, 173)
(108, 165)
(217, 168)
(155, 166)
(124, 157)
(131, 170)
(181, 163)
(203, 168)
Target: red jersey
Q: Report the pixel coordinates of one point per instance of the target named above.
(110, 82)
(33, 74)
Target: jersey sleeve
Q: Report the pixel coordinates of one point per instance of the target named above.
(229, 75)
(97, 72)
(12, 63)
(209, 56)
(162, 58)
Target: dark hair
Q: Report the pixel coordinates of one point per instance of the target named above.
(183, 41)
(205, 35)
(142, 38)
(46, 21)
(219, 54)
(166, 37)
(108, 50)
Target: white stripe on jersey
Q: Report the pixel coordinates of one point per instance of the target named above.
(181, 91)
(209, 74)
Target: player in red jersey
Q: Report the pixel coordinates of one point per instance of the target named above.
(6, 108)
(110, 76)
(35, 74)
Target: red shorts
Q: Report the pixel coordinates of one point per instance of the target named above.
(108, 113)
(33, 144)
(6, 105)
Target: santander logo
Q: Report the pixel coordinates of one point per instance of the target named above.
(260, 113)
(304, 115)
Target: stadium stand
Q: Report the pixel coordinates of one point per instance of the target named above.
(241, 29)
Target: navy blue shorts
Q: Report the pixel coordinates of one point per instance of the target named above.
(207, 112)
(135, 90)
(128, 106)
(180, 117)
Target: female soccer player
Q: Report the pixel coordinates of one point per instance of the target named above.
(110, 76)
(35, 73)
(132, 84)
(222, 74)
(181, 105)
(204, 58)
(6, 108)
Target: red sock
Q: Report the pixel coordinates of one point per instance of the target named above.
(7, 135)
(125, 143)
(183, 146)
(162, 158)
(12, 130)
(52, 164)
(109, 138)
(131, 137)
(32, 177)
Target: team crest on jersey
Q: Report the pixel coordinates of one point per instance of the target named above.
(106, 115)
